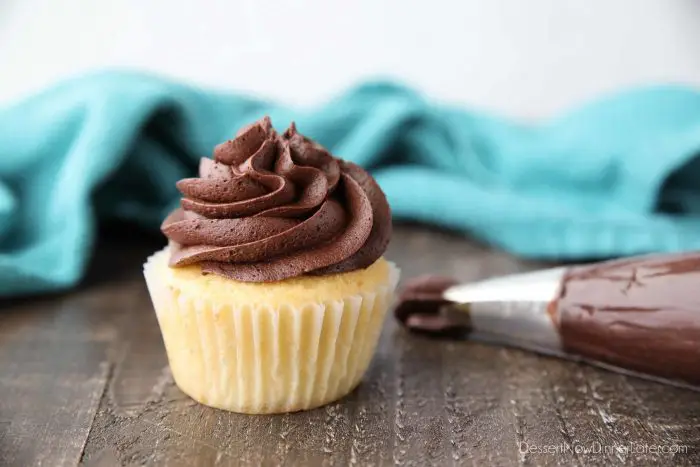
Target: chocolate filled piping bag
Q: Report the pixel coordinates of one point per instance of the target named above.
(637, 315)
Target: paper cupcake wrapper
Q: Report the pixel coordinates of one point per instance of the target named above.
(267, 359)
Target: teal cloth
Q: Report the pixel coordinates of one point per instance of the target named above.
(615, 177)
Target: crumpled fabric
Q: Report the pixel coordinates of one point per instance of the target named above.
(618, 176)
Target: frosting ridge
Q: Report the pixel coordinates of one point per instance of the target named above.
(272, 206)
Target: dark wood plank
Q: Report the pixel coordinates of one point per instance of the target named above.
(53, 371)
(84, 377)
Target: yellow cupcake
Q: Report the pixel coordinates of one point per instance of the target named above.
(273, 290)
(269, 348)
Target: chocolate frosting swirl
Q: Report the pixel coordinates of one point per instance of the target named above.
(269, 207)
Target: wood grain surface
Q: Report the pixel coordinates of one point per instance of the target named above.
(84, 380)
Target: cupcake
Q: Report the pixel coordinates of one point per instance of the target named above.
(272, 290)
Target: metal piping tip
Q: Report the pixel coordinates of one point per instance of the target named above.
(510, 310)
(536, 286)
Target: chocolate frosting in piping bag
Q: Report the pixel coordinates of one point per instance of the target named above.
(269, 207)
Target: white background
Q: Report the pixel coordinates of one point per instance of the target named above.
(528, 58)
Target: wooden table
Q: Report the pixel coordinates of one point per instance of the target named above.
(84, 379)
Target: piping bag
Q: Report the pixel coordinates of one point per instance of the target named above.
(636, 315)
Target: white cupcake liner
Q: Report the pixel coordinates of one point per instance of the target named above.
(268, 359)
